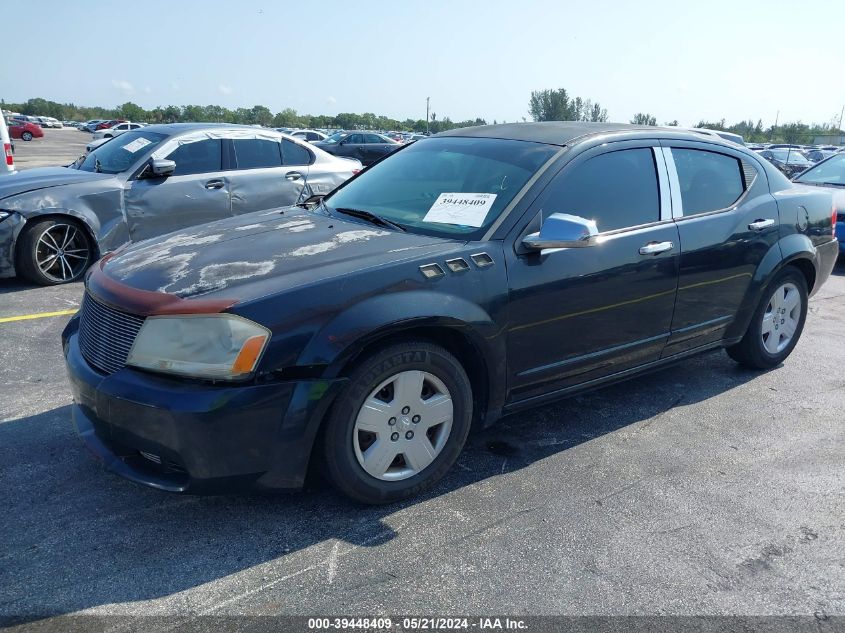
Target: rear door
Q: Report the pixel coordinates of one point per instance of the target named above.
(727, 222)
(579, 314)
(261, 179)
(197, 192)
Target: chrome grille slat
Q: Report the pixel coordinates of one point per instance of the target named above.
(106, 335)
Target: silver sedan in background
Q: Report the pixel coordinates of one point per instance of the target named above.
(55, 221)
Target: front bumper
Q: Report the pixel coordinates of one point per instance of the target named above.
(10, 229)
(195, 437)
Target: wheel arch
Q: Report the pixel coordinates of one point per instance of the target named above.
(795, 250)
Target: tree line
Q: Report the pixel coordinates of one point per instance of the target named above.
(558, 105)
(543, 105)
(256, 115)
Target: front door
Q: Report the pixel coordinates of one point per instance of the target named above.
(196, 193)
(578, 314)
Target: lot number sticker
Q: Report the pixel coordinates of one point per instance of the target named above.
(466, 209)
(137, 144)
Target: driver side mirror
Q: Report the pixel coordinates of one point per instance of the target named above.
(561, 230)
(162, 167)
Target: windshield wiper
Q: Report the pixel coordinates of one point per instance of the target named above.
(371, 217)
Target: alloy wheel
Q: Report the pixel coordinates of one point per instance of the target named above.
(62, 252)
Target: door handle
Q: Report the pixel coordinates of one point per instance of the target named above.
(759, 225)
(214, 184)
(293, 175)
(653, 248)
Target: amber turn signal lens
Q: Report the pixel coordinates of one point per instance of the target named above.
(248, 356)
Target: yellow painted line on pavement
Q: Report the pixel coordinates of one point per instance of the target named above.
(38, 315)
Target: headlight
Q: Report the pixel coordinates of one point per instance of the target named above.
(4, 215)
(215, 346)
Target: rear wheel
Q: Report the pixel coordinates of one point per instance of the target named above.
(54, 251)
(777, 323)
(399, 425)
(26, 136)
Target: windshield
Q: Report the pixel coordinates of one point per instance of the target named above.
(335, 138)
(121, 153)
(830, 172)
(448, 187)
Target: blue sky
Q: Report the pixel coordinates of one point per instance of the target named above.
(673, 59)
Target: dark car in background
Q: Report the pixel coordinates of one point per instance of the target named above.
(477, 273)
(368, 147)
(790, 162)
(830, 174)
(146, 182)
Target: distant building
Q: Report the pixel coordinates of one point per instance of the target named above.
(829, 139)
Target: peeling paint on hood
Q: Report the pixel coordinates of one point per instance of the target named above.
(262, 252)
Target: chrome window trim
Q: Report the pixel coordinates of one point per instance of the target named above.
(674, 183)
(662, 183)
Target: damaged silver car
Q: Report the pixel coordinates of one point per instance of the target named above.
(56, 221)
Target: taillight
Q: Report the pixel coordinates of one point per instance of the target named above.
(7, 149)
(833, 220)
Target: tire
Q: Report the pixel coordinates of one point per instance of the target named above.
(26, 136)
(769, 340)
(379, 381)
(54, 251)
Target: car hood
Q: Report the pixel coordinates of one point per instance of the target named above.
(44, 177)
(262, 253)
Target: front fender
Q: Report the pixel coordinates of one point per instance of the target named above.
(351, 331)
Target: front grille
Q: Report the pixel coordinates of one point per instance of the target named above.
(106, 335)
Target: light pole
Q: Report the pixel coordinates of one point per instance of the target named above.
(426, 113)
(841, 112)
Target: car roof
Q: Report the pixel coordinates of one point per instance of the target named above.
(563, 132)
(179, 128)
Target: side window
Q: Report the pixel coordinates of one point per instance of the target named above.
(199, 157)
(355, 139)
(254, 153)
(617, 190)
(372, 138)
(709, 181)
(295, 154)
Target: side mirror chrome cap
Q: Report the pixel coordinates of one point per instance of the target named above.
(162, 166)
(561, 230)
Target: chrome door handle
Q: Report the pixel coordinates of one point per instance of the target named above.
(293, 175)
(759, 225)
(214, 184)
(653, 248)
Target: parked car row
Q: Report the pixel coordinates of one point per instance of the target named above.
(792, 159)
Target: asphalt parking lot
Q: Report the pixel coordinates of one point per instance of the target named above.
(57, 147)
(702, 489)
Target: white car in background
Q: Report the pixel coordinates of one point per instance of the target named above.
(116, 130)
(7, 165)
(48, 121)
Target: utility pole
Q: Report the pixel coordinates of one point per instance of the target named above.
(774, 128)
(841, 112)
(426, 113)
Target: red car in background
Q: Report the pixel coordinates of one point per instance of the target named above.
(107, 124)
(24, 130)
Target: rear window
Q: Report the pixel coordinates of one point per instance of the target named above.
(709, 181)
(256, 153)
(295, 154)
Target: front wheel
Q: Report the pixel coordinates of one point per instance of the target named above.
(777, 323)
(54, 251)
(399, 425)
(26, 136)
